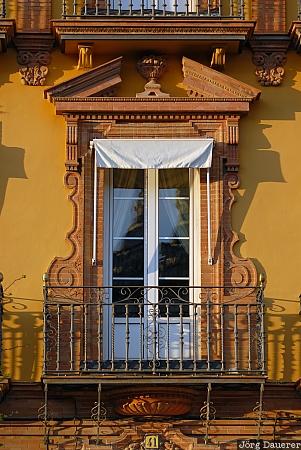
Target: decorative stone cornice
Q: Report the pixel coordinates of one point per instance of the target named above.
(33, 57)
(128, 28)
(269, 57)
(7, 31)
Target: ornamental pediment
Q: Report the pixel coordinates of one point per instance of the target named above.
(97, 82)
(202, 81)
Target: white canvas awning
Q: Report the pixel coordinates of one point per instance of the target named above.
(153, 153)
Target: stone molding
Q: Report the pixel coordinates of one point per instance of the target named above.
(34, 56)
(93, 82)
(269, 57)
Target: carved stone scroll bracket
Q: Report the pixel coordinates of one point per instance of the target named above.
(68, 271)
(239, 271)
(269, 57)
(72, 163)
(33, 57)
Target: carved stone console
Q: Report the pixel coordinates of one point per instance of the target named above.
(33, 57)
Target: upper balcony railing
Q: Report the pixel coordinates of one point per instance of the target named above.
(153, 330)
(89, 9)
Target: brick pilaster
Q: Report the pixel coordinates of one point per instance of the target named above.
(33, 15)
(270, 15)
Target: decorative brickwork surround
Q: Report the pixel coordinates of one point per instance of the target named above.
(216, 116)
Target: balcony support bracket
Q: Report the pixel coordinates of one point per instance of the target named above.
(98, 413)
(207, 413)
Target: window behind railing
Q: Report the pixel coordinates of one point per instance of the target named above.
(144, 8)
(152, 329)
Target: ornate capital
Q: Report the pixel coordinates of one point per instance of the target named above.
(85, 56)
(269, 57)
(33, 57)
(269, 67)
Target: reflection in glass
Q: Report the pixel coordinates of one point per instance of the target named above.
(128, 183)
(173, 258)
(173, 218)
(128, 218)
(174, 183)
(128, 255)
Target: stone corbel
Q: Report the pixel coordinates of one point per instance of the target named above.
(33, 57)
(218, 59)
(85, 56)
(72, 163)
(269, 57)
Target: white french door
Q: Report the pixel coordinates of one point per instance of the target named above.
(151, 247)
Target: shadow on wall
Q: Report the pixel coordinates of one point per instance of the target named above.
(11, 166)
(283, 340)
(22, 341)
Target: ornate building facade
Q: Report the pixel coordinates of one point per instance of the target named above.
(141, 309)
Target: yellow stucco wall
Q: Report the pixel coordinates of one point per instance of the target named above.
(35, 214)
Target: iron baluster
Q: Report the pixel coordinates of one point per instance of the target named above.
(222, 317)
(99, 334)
(96, 8)
(141, 336)
(85, 8)
(3, 8)
(242, 9)
(208, 332)
(219, 7)
(58, 337)
(113, 337)
(45, 330)
(130, 7)
(187, 7)
(209, 8)
(127, 337)
(64, 9)
(108, 2)
(235, 337)
(85, 335)
(175, 8)
(153, 8)
(232, 8)
(249, 338)
(155, 337)
(72, 338)
(168, 331)
(120, 7)
(74, 8)
(194, 340)
(181, 337)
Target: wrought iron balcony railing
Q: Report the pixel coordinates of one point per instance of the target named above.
(153, 330)
(2, 8)
(153, 8)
